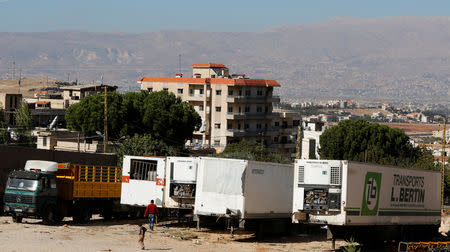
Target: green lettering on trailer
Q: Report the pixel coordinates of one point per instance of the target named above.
(371, 194)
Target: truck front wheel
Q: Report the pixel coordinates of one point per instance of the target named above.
(17, 219)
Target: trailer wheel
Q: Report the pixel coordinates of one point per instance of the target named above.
(17, 219)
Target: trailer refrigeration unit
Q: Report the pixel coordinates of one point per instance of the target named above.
(366, 201)
(52, 191)
(251, 194)
(169, 181)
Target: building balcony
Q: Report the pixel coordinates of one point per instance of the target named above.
(250, 132)
(196, 97)
(256, 115)
(253, 99)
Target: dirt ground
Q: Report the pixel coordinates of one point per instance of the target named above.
(122, 235)
(100, 235)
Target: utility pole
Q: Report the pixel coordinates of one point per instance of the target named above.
(20, 78)
(105, 133)
(14, 70)
(298, 154)
(443, 165)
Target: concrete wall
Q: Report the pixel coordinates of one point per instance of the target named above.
(13, 158)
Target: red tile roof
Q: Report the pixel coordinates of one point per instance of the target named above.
(209, 65)
(235, 82)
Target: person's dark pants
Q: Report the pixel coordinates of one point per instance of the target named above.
(151, 220)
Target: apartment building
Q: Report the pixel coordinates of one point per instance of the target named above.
(9, 103)
(232, 107)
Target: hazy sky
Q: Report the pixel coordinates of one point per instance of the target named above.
(136, 16)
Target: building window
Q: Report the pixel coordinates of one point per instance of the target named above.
(275, 139)
(218, 109)
(266, 109)
(277, 124)
(180, 90)
(296, 122)
(240, 92)
(143, 169)
(230, 92)
(246, 126)
(247, 93)
(200, 108)
(259, 92)
(285, 124)
(213, 76)
(239, 126)
(230, 126)
(197, 75)
(150, 89)
(201, 90)
(216, 142)
(258, 125)
(217, 125)
(259, 109)
(218, 92)
(230, 109)
(166, 89)
(247, 109)
(191, 91)
(44, 141)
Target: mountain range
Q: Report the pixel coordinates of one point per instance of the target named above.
(393, 58)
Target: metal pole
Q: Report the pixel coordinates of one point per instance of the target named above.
(105, 133)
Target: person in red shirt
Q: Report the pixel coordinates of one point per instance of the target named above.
(152, 211)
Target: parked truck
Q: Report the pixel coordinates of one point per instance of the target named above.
(169, 181)
(253, 195)
(367, 202)
(51, 191)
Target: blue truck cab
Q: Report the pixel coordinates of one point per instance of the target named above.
(32, 192)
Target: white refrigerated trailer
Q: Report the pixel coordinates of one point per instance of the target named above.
(244, 190)
(366, 201)
(169, 181)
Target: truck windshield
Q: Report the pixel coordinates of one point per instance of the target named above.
(22, 184)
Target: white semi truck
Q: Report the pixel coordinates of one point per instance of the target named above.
(366, 201)
(257, 195)
(169, 181)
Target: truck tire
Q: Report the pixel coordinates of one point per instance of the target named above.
(82, 216)
(50, 216)
(17, 219)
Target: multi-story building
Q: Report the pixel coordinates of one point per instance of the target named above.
(9, 103)
(232, 107)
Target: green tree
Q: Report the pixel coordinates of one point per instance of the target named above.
(145, 145)
(88, 115)
(252, 151)
(368, 142)
(159, 114)
(24, 124)
(4, 134)
(168, 118)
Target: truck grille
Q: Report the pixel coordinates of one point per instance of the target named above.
(335, 178)
(301, 174)
(18, 198)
